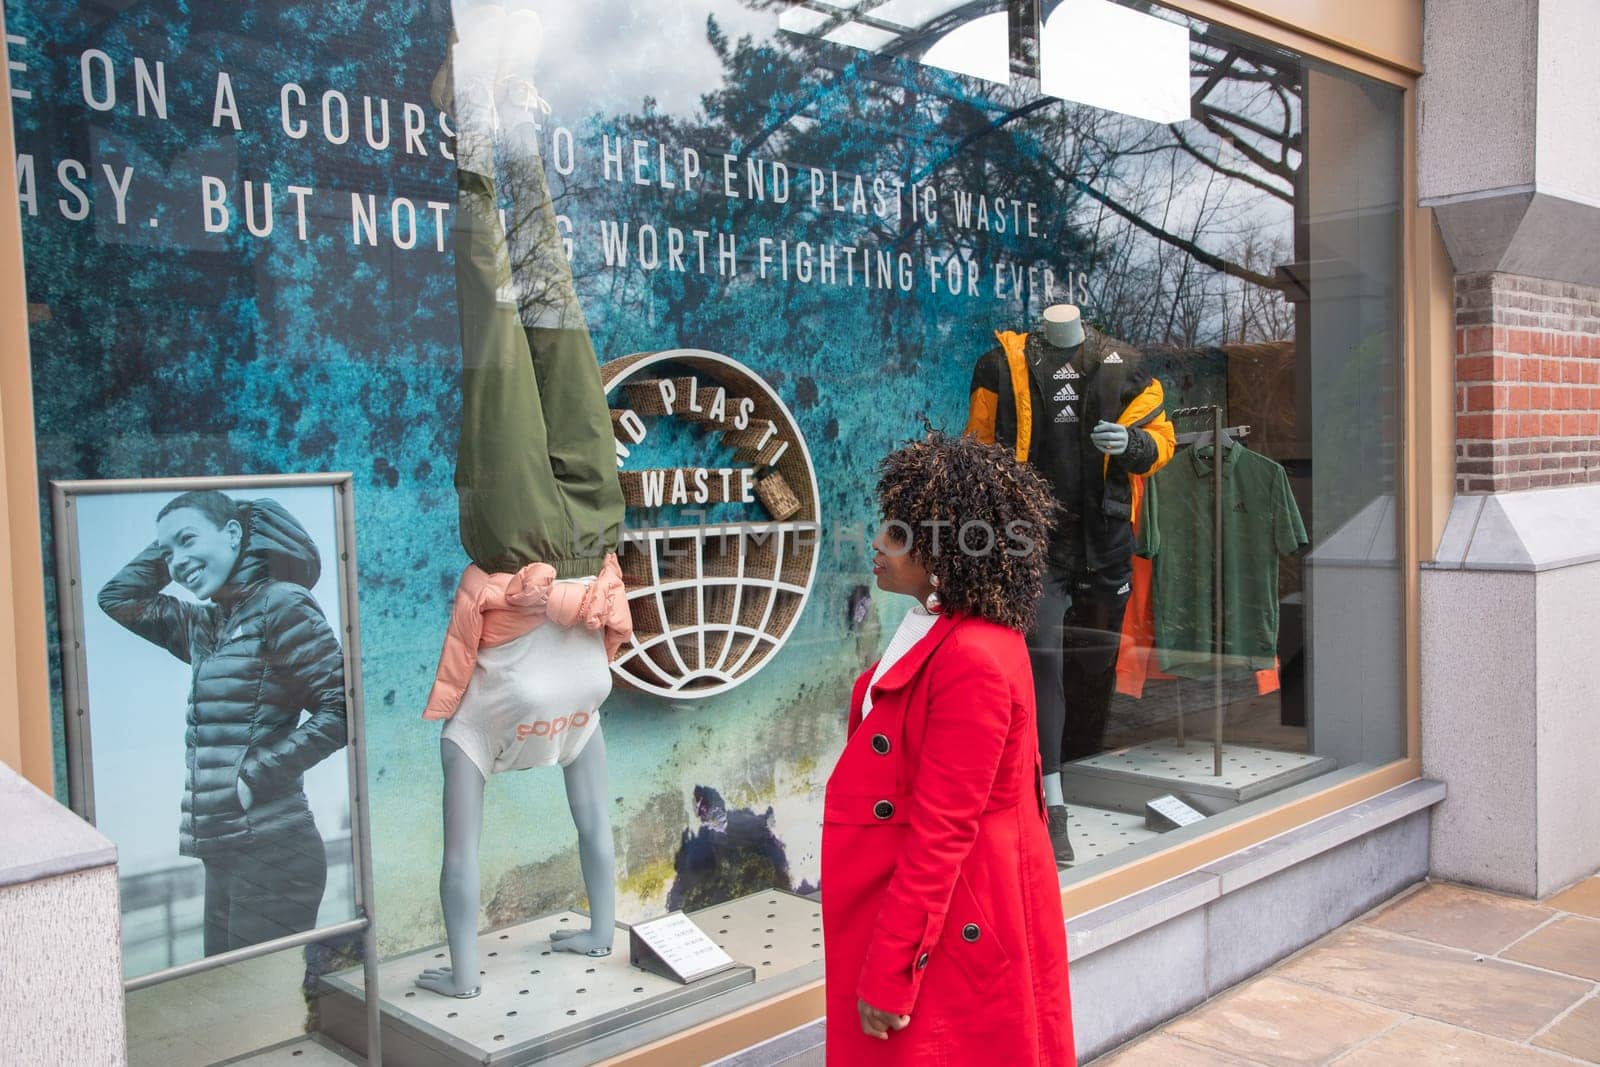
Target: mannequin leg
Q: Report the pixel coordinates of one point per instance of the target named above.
(458, 880)
(580, 448)
(589, 796)
(1045, 644)
(536, 462)
(1044, 655)
(503, 483)
(1089, 674)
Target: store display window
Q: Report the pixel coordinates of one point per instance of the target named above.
(565, 340)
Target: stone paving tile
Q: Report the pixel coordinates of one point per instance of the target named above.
(1424, 1043)
(1461, 918)
(1418, 978)
(1570, 945)
(1279, 1022)
(1583, 898)
(1162, 1050)
(1576, 1035)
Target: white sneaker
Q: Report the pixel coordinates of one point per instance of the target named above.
(474, 63)
(524, 40)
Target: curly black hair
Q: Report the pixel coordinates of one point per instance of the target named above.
(974, 518)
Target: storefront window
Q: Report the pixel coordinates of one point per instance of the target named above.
(262, 244)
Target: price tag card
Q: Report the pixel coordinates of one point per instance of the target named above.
(674, 947)
(1169, 813)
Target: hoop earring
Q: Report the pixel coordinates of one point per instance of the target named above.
(932, 601)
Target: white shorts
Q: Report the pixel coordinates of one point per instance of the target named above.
(533, 701)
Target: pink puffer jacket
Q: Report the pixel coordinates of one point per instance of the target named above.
(491, 609)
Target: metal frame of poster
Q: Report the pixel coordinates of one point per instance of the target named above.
(66, 501)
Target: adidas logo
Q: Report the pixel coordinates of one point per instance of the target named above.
(1066, 415)
(1066, 373)
(1112, 358)
(1066, 392)
(1126, 586)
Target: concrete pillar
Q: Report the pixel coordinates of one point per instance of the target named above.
(1509, 160)
(60, 934)
(1509, 678)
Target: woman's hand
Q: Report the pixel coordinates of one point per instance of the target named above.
(875, 1023)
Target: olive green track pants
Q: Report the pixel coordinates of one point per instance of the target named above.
(536, 474)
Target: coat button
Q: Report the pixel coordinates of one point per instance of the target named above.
(880, 744)
(883, 809)
(922, 961)
(970, 932)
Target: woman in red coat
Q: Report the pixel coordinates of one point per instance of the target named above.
(944, 936)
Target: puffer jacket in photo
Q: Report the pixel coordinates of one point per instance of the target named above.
(262, 653)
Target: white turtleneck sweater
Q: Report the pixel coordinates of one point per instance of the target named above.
(913, 628)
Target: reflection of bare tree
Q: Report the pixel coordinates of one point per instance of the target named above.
(1257, 313)
(1190, 221)
(501, 123)
(541, 274)
(1262, 126)
(1181, 228)
(1161, 202)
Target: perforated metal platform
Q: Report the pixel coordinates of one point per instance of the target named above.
(535, 1002)
(1099, 832)
(1125, 778)
(773, 932)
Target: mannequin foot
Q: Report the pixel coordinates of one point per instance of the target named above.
(1058, 834)
(442, 980)
(583, 942)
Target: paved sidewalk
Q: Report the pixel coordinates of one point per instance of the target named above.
(1441, 975)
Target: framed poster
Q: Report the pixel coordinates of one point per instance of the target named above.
(211, 690)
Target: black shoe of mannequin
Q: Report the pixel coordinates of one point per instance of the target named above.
(1058, 834)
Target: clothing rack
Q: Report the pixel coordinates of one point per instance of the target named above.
(1219, 438)
(1195, 437)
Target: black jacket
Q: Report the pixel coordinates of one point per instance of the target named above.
(1005, 393)
(261, 653)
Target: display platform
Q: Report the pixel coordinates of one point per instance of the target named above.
(535, 1002)
(1126, 778)
(1096, 833)
(772, 931)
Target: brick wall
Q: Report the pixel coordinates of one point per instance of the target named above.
(1527, 383)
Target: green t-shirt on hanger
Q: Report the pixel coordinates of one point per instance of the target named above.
(1260, 522)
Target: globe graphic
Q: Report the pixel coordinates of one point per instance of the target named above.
(712, 601)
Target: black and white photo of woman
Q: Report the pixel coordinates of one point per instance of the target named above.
(265, 704)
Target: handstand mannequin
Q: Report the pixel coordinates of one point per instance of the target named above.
(540, 503)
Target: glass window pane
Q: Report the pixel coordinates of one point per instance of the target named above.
(788, 239)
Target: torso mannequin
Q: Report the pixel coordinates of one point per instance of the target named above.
(1088, 418)
(1062, 325)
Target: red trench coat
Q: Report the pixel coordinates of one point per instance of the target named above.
(940, 898)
